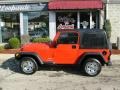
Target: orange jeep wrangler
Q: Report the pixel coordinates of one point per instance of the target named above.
(87, 48)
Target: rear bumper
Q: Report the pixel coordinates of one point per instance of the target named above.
(109, 63)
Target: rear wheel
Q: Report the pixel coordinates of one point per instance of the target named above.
(92, 67)
(28, 65)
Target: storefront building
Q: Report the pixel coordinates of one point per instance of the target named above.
(75, 14)
(39, 19)
(19, 19)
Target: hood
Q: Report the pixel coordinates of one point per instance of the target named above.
(34, 46)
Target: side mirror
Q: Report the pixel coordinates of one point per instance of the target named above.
(54, 44)
(58, 41)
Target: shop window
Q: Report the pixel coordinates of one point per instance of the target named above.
(84, 20)
(95, 20)
(38, 24)
(66, 20)
(10, 26)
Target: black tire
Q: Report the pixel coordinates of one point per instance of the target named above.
(28, 69)
(91, 67)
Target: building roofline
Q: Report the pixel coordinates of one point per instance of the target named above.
(46, 1)
(111, 1)
(22, 2)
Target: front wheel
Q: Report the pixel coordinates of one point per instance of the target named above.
(28, 65)
(92, 67)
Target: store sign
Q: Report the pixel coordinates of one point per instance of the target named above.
(14, 8)
(22, 7)
(66, 21)
(66, 26)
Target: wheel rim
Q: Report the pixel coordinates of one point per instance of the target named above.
(92, 68)
(27, 66)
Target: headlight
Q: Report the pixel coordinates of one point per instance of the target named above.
(17, 55)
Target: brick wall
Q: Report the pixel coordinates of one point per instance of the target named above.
(113, 13)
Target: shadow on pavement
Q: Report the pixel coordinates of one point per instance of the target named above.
(13, 65)
(65, 68)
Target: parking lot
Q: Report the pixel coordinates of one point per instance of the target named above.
(57, 78)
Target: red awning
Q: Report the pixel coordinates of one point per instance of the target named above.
(75, 4)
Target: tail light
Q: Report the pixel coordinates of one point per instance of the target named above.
(104, 53)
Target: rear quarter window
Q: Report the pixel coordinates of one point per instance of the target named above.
(93, 40)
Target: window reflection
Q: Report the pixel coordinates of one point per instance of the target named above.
(38, 24)
(9, 26)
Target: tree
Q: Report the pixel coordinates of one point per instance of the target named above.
(107, 28)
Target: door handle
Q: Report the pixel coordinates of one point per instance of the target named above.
(73, 46)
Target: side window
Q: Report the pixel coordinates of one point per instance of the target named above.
(68, 38)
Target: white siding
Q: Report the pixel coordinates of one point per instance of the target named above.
(52, 24)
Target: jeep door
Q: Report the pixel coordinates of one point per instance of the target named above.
(66, 51)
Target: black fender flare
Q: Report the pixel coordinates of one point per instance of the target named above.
(38, 59)
(90, 54)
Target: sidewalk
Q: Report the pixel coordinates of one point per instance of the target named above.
(7, 56)
(115, 57)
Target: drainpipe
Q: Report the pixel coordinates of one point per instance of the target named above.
(0, 31)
